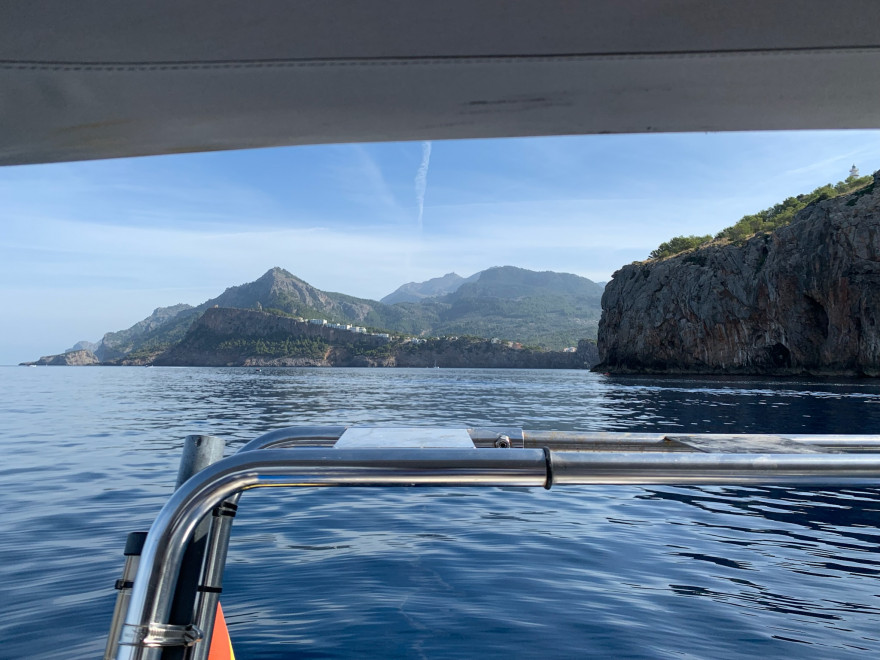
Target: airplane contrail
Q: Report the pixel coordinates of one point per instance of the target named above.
(422, 180)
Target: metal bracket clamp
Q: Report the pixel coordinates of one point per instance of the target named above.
(369, 437)
(160, 634)
(502, 437)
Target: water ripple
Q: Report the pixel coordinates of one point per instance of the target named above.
(91, 454)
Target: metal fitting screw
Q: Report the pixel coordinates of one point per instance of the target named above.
(503, 441)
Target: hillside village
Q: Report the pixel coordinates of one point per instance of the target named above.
(404, 339)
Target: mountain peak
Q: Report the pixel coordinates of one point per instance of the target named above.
(433, 288)
(277, 273)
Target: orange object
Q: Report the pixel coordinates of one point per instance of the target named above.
(221, 644)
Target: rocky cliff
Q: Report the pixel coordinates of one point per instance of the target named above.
(804, 299)
(84, 345)
(121, 343)
(74, 358)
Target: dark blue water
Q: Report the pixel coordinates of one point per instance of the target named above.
(89, 454)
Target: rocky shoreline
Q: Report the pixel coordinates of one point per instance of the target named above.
(78, 358)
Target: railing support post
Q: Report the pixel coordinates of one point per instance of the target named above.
(212, 577)
(133, 546)
(199, 451)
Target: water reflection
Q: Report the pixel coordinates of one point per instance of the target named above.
(847, 518)
(783, 551)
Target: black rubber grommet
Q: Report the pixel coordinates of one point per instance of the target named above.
(548, 459)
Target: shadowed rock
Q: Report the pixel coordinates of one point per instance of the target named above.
(804, 299)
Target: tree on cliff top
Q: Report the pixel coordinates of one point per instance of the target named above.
(679, 244)
(767, 220)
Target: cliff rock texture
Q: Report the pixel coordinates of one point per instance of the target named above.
(804, 299)
(70, 359)
(117, 344)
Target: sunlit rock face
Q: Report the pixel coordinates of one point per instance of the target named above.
(804, 299)
(78, 358)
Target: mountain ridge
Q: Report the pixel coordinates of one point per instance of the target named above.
(432, 288)
(245, 337)
(548, 309)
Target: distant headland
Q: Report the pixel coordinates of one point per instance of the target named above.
(503, 317)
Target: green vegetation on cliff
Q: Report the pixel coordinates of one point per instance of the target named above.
(239, 337)
(678, 245)
(768, 220)
(280, 346)
(801, 300)
(548, 309)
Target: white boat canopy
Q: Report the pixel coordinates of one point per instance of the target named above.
(99, 79)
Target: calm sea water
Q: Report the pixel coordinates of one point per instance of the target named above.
(89, 454)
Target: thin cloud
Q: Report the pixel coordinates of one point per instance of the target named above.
(361, 180)
(422, 180)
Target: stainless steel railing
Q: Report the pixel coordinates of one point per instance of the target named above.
(336, 456)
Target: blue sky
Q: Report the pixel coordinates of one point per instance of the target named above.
(91, 247)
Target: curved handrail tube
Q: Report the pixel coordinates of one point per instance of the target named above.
(301, 467)
(280, 436)
(317, 466)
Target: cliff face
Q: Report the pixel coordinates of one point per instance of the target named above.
(78, 358)
(804, 299)
(117, 344)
